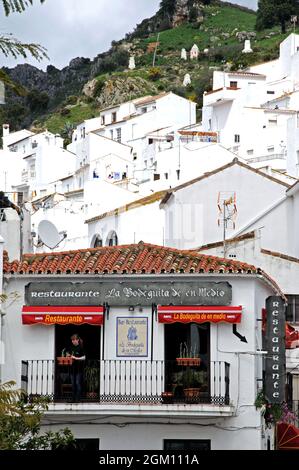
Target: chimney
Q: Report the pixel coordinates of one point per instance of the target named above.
(5, 128)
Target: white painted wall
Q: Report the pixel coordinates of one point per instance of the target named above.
(144, 223)
(191, 214)
(37, 342)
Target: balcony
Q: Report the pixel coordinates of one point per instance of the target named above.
(24, 176)
(265, 158)
(112, 383)
(220, 96)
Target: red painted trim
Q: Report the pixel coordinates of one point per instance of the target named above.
(62, 309)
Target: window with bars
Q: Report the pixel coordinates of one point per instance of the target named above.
(118, 135)
(292, 311)
(187, 444)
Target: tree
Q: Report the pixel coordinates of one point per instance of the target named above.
(20, 423)
(9, 45)
(273, 12)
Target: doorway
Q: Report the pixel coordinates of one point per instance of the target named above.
(187, 361)
(91, 337)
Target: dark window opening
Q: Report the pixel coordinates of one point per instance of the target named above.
(84, 444)
(112, 239)
(292, 311)
(98, 242)
(187, 444)
(191, 340)
(233, 84)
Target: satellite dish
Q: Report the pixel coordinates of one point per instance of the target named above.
(49, 234)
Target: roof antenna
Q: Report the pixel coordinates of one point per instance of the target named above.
(227, 205)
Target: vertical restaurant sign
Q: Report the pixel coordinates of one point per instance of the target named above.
(275, 359)
(132, 337)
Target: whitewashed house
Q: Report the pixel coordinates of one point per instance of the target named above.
(41, 157)
(138, 304)
(255, 111)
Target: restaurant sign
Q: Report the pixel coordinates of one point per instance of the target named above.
(276, 359)
(129, 293)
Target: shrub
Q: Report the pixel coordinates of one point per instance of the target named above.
(154, 74)
(99, 86)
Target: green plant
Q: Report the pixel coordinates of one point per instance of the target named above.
(188, 351)
(274, 412)
(189, 378)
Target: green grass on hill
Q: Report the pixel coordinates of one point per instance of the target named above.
(56, 122)
(217, 32)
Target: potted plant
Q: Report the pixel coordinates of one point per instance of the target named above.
(92, 381)
(64, 359)
(188, 356)
(194, 381)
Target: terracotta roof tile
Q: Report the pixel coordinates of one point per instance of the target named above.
(141, 258)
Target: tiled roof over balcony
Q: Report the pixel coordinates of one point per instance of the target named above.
(142, 258)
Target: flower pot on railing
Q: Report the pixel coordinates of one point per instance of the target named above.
(188, 361)
(64, 361)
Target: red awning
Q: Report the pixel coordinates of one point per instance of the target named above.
(62, 315)
(199, 314)
(287, 437)
(292, 337)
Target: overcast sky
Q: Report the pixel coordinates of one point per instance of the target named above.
(78, 28)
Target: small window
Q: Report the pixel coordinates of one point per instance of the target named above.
(270, 92)
(134, 156)
(272, 122)
(112, 239)
(97, 241)
(102, 120)
(83, 444)
(111, 134)
(186, 444)
(156, 176)
(118, 135)
(143, 110)
(270, 149)
(292, 311)
(145, 163)
(150, 141)
(210, 124)
(237, 138)
(250, 152)
(113, 117)
(166, 176)
(233, 84)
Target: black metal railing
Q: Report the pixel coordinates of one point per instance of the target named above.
(130, 381)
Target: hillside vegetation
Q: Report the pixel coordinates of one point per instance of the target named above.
(220, 32)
